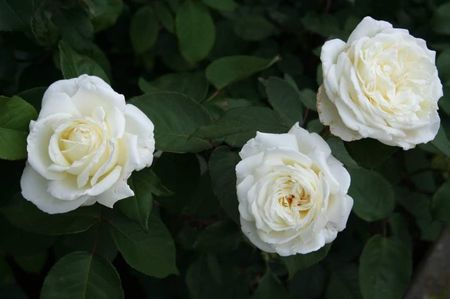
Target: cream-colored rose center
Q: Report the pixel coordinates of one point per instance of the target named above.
(79, 139)
(83, 149)
(296, 193)
(292, 195)
(394, 75)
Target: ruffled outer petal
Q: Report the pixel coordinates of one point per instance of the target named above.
(38, 141)
(266, 141)
(34, 189)
(94, 92)
(55, 102)
(368, 27)
(67, 189)
(329, 116)
(309, 142)
(118, 191)
(339, 209)
(138, 124)
(249, 230)
(330, 52)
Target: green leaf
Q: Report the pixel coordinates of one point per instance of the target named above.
(176, 118)
(221, 5)
(208, 278)
(399, 228)
(26, 216)
(33, 96)
(372, 194)
(43, 28)
(164, 15)
(253, 28)
(340, 152)
(443, 65)
(17, 242)
(218, 237)
(309, 283)
(187, 166)
(155, 185)
(202, 204)
(15, 15)
(104, 13)
(195, 30)
(238, 125)
(441, 202)
(96, 238)
(385, 268)
(222, 163)
(421, 206)
(139, 206)
(270, 287)
(344, 283)
(74, 64)
(75, 26)
(414, 163)
(295, 263)
(194, 85)
(99, 56)
(82, 275)
(315, 126)
(379, 153)
(151, 252)
(441, 142)
(285, 100)
(308, 98)
(144, 29)
(226, 70)
(15, 117)
(444, 102)
(322, 24)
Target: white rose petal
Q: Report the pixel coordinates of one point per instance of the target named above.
(138, 124)
(34, 188)
(292, 192)
(84, 146)
(382, 83)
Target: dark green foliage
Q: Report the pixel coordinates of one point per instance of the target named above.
(210, 74)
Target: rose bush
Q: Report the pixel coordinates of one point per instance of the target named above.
(382, 83)
(292, 192)
(260, 185)
(84, 146)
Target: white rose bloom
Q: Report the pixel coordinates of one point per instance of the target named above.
(382, 83)
(292, 192)
(83, 146)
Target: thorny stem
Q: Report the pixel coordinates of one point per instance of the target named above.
(305, 116)
(215, 94)
(384, 223)
(327, 6)
(325, 133)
